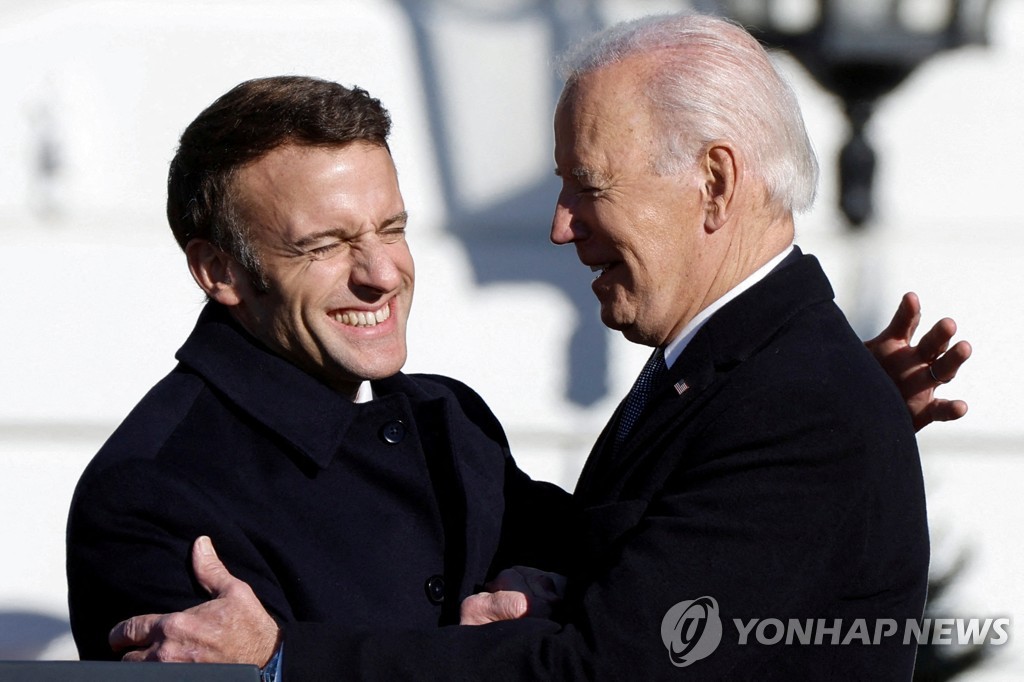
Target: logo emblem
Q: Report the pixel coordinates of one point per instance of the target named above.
(691, 630)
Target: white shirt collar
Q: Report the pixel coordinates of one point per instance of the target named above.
(675, 348)
(364, 394)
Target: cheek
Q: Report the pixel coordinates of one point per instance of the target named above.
(318, 280)
(651, 250)
(405, 263)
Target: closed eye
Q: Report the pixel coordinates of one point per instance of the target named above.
(392, 234)
(323, 251)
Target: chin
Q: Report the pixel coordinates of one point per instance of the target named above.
(635, 336)
(639, 334)
(363, 369)
(385, 367)
(613, 318)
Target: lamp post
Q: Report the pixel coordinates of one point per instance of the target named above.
(860, 50)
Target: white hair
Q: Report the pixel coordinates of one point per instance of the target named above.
(712, 80)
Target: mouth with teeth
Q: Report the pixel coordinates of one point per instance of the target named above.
(363, 318)
(602, 268)
(607, 276)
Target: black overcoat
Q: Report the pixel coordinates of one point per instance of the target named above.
(361, 515)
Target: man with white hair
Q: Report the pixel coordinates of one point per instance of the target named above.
(762, 470)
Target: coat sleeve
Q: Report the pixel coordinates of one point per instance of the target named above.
(129, 538)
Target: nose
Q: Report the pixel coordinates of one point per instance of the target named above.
(375, 267)
(564, 226)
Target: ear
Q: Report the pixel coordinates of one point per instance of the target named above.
(216, 272)
(720, 174)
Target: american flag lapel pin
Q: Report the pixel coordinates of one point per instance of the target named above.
(681, 386)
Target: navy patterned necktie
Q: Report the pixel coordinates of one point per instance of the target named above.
(639, 394)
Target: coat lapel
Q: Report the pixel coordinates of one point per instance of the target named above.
(731, 336)
(673, 398)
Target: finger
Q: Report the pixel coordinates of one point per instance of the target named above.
(509, 605)
(133, 632)
(474, 609)
(160, 653)
(906, 318)
(936, 339)
(488, 607)
(946, 366)
(944, 411)
(136, 656)
(210, 571)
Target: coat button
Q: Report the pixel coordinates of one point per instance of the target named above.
(435, 589)
(393, 432)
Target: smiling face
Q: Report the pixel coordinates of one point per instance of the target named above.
(643, 232)
(328, 224)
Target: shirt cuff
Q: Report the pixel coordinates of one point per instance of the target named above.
(271, 672)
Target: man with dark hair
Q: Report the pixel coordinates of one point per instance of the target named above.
(338, 487)
(763, 467)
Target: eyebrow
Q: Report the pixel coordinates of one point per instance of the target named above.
(580, 173)
(338, 232)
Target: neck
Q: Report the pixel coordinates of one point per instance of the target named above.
(753, 242)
